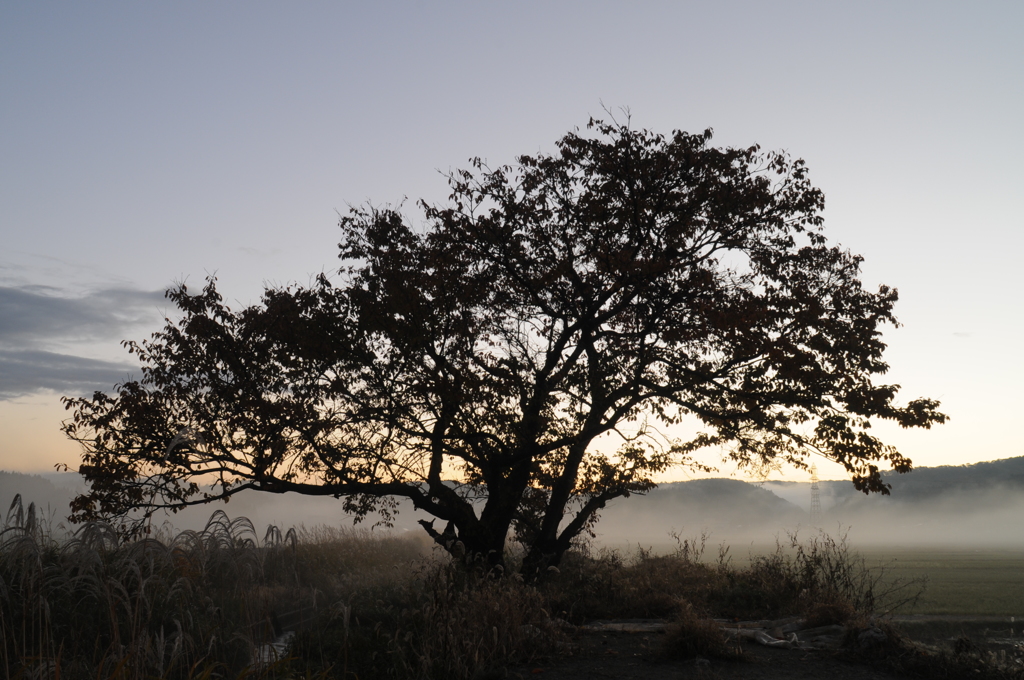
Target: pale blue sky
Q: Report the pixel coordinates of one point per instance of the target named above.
(146, 143)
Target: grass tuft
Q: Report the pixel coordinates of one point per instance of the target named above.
(692, 635)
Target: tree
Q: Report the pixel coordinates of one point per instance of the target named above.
(509, 365)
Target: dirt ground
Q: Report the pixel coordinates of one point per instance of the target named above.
(629, 656)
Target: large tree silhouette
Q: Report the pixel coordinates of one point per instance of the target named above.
(518, 357)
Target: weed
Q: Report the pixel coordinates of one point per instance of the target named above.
(692, 635)
(820, 579)
(892, 650)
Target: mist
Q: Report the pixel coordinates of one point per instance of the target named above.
(962, 507)
(739, 514)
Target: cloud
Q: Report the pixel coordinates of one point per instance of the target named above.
(40, 327)
(32, 314)
(24, 372)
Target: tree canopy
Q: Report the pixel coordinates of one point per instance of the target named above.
(523, 354)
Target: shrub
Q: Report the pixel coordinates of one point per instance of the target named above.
(820, 579)
(693, 635)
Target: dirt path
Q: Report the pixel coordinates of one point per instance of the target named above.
(635, 656)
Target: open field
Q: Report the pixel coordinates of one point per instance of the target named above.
(961, 582)
(957, 581)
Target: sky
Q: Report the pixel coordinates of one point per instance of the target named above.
(145, 144)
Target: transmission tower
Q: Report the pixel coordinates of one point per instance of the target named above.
(815, 497)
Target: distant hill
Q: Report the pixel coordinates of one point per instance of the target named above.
(929, 482)
(979, 504)
(918, 485)
(727, 509)
(977, 484)
(49, 498)
(967, 505)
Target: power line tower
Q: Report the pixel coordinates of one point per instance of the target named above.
(815, 497)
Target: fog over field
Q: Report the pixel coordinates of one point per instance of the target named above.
(971, 506)
(738, 513)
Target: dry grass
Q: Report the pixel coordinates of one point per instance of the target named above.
(819, 578)
(900, 655)
(201, 604)
(439, 624)
(693, 635)
(197, 604)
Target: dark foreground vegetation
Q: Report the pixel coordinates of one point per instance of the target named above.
(359, 605)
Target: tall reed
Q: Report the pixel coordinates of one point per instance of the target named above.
(194, 604)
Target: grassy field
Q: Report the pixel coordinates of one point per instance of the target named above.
(962, 582)
(957, 581)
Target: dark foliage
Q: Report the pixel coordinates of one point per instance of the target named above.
(552, 311)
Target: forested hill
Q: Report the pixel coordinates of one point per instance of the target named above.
(50, 499)
(919, 484)
(989, 484)
(927, 482)
(965, 505)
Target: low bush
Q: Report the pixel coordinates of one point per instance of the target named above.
(886, 647)
(642, 585)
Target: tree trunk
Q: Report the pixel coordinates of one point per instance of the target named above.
(541, 557)
(476, 546)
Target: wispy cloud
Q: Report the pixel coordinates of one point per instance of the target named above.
(41, 325)
(24, 372)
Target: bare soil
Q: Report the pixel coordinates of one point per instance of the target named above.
(629, 656)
